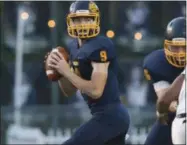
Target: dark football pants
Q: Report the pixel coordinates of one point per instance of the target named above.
(98, 132)
(159, 135)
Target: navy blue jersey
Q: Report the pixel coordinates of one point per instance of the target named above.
(157, 68)
(99, 49)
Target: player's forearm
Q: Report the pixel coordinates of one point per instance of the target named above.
(84, 86)
(170, 95)
(164, 100)
(66, 87)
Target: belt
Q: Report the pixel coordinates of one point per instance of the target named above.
(182, 115)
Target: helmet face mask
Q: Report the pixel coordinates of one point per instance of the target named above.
(175, 52)
(175, 42)
(84, 24)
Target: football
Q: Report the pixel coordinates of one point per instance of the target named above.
(52, 74)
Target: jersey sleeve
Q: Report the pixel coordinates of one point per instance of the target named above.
(102, 55)
(157, 71)
(155, 78)
(150, 76)
(151, 73)
(157, 81)
(99, 49)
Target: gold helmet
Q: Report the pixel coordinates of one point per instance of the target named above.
(87, 10)
(175, 42)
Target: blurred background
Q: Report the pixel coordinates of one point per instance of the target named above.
(33, 110)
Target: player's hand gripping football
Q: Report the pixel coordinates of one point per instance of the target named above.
(57, 61)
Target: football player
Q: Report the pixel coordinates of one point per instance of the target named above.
(94, 64)
(179, 123)
(177, 92)
(161, 67)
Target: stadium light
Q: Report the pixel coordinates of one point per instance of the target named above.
(110, 34)
(51, 23)
(24, 15)
(138, 36)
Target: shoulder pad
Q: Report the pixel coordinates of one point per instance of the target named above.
(152, 61)
(155, 65)
(99, 49)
